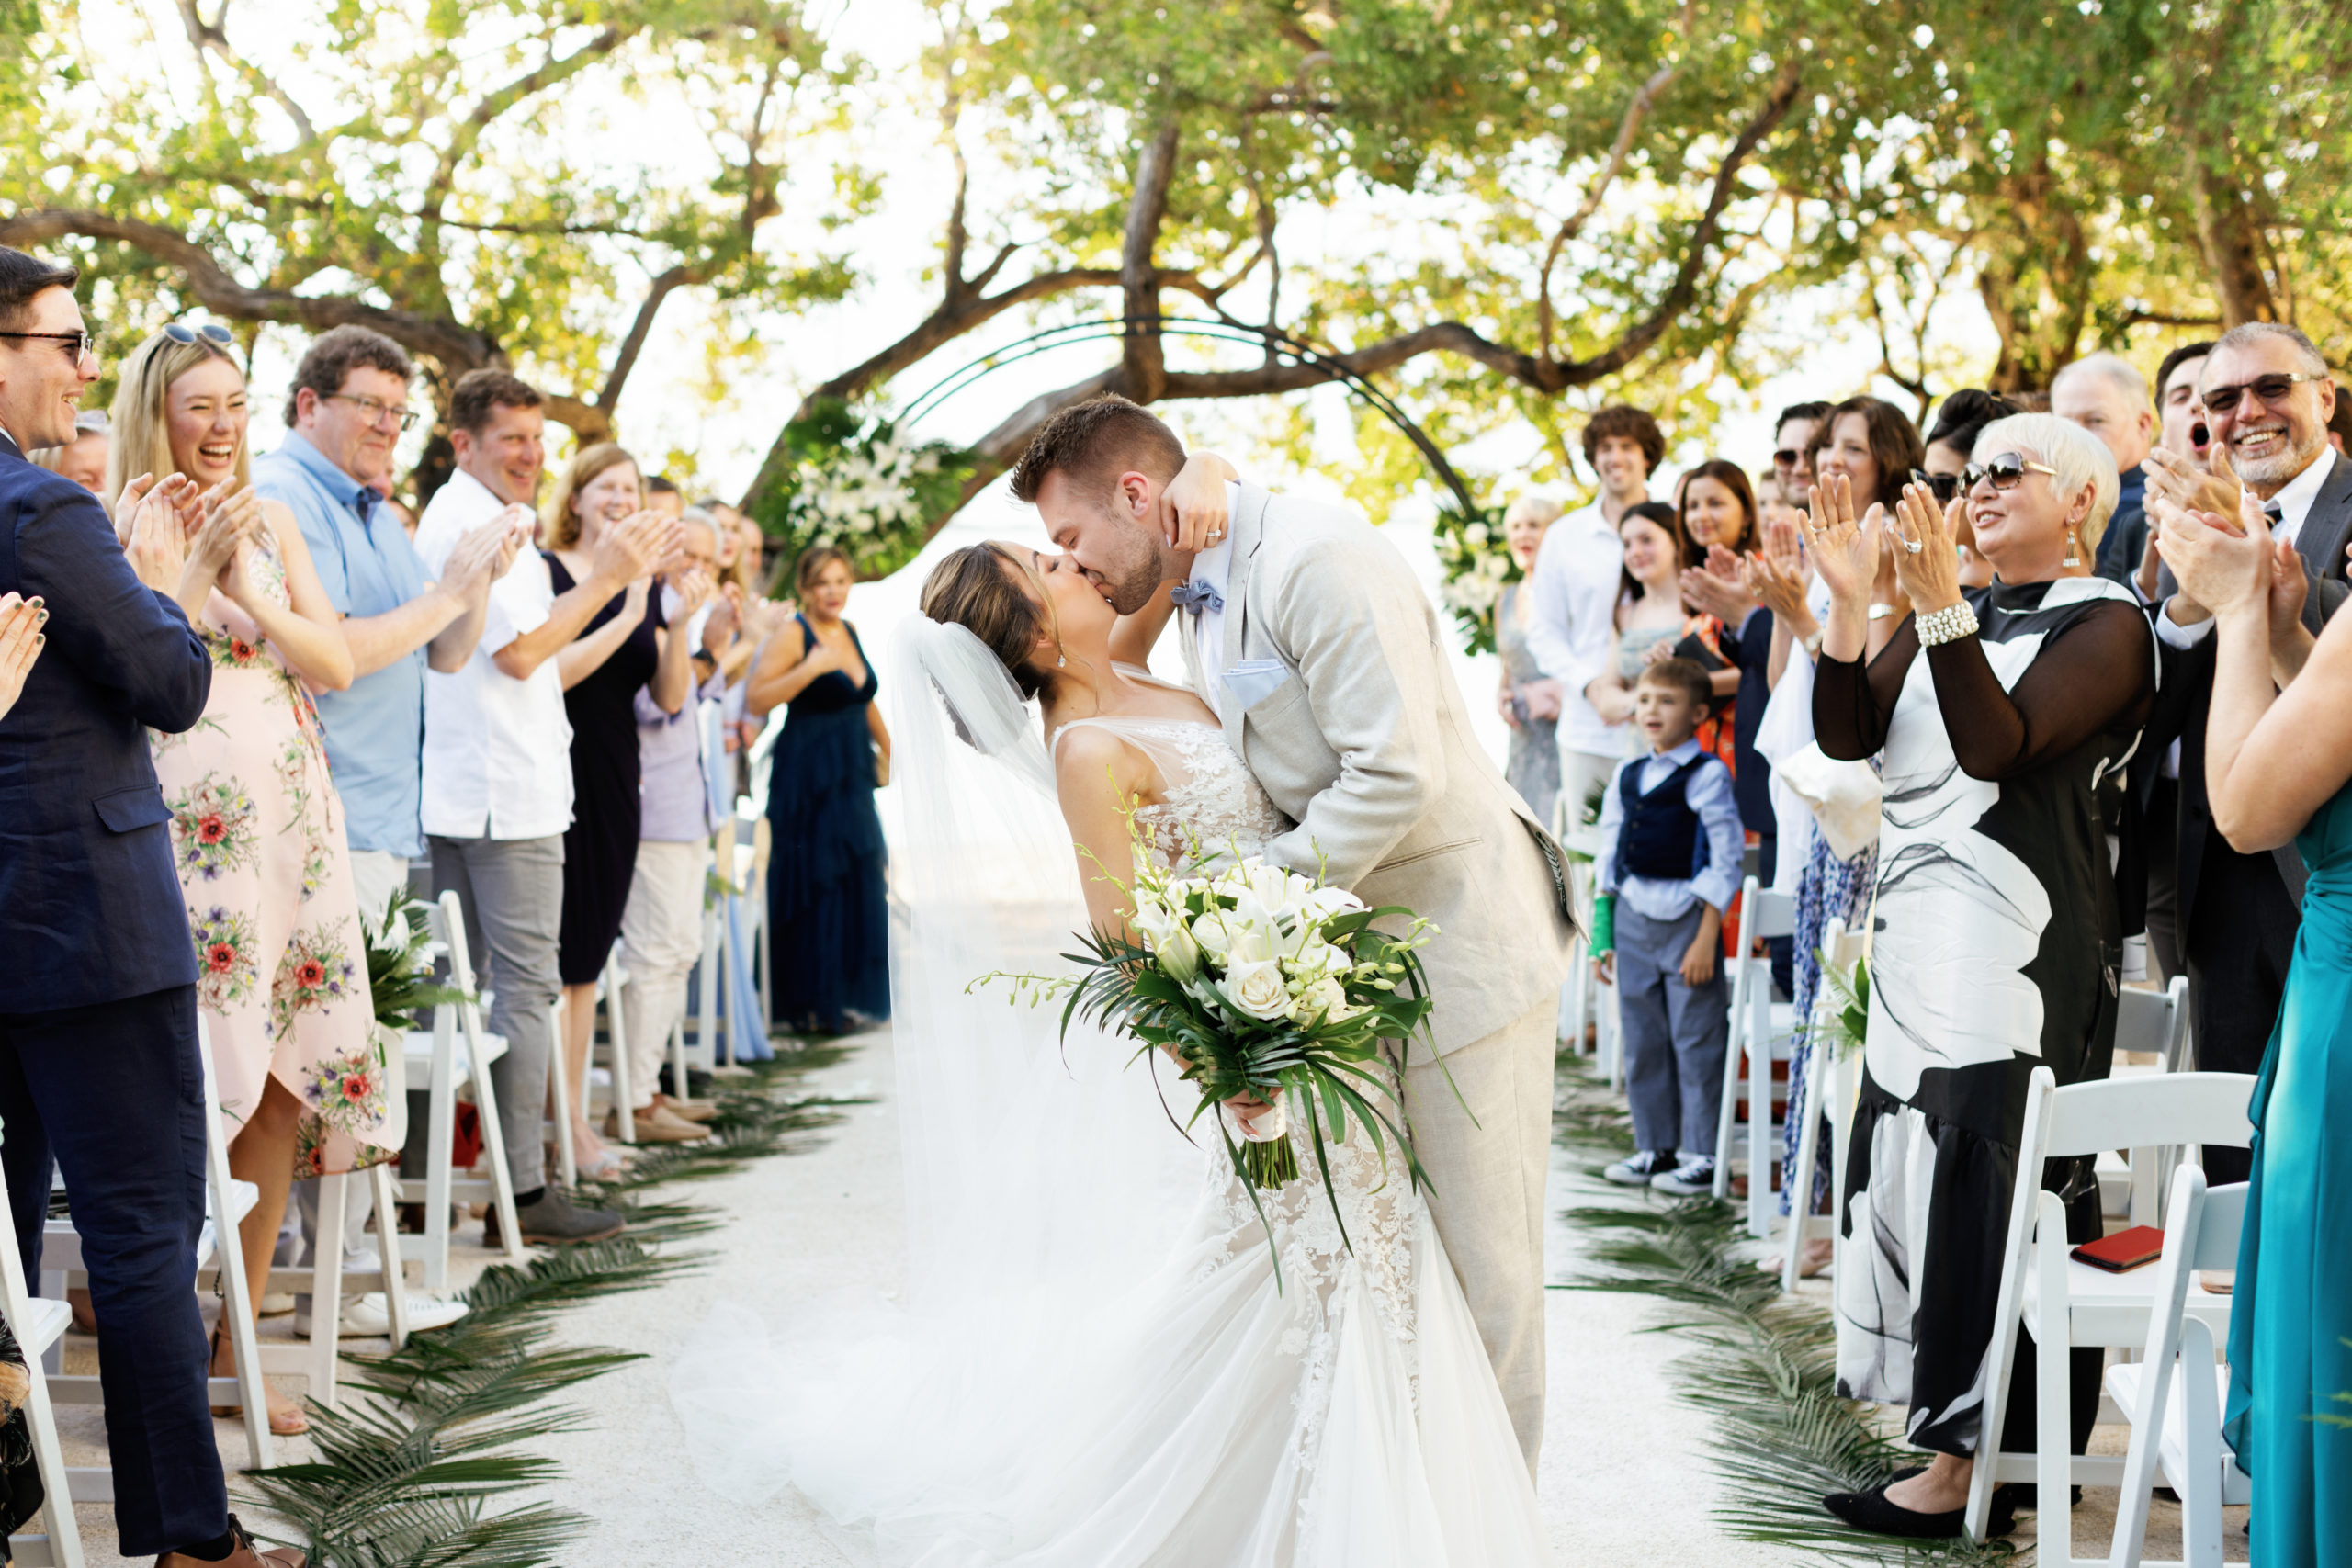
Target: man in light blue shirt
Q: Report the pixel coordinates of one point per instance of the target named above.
(348, 405)
(1670, 860)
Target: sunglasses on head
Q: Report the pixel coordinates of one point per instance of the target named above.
(2271, 390)
(2007, 470)
(210, 332)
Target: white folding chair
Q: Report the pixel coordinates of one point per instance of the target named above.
(39, 1324)
(2063, 1304)
(2146, 1024)
(2172, 1395)
(1760, 1031)
(1824, 1100)
(227, 1201)
(456, 1051)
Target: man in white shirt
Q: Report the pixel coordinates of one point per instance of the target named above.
(498, 767)
(2266, 398)
(1576, 587)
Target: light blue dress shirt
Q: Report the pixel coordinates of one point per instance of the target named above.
(1709, 792)
(375, 731)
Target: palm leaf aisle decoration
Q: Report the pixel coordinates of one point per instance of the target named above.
(1763, 1366)
(422, 1467)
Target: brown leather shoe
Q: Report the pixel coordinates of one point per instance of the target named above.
(245, 1554)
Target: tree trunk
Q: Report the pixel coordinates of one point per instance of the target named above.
(2230, 239)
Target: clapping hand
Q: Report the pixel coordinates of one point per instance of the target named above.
(1926, 553)
(2221, 565)
(1719, 587)
(154, 541)
(694, 588)
(1844, 550)
(2214, 492)
(227, 529)
(634, 546)
(718, 633)
(1777, 574)
(20, 644)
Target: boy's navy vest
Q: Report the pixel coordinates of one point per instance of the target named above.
(1659, 837)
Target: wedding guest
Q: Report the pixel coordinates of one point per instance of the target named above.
(99, 1072)
(1670, 860)
(20, 644)
(1575, 590)
(255, 821)
(2265, 394)
(662, 925)
(1792, 458)
(663, 496)
(1997, 941)
(1530, 702)
(1717, 513)
(2155, 771)
(2339, 423)
(82, 459)
(2107, 395)
(498, 787)
(2276, 770)
(345, 413)
(1649, 613)
(1950, 444)
(828, 923)
(621, 649)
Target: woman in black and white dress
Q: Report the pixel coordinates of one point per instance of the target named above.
(1996, 944)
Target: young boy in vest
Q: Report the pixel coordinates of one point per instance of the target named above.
(1671, 854)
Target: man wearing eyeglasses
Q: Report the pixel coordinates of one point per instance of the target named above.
(2266, 400)
(344, 416)
(99, 1064)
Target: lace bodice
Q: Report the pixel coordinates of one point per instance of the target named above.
(1208, 801)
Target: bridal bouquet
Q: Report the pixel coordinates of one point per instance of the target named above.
(1260, 982)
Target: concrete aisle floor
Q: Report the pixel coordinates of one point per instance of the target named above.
(1624, 1482)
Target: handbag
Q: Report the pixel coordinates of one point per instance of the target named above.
(1844, 797)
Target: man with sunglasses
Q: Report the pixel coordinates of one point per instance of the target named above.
(2107, 396)
(99, 1071)
(2266, 399)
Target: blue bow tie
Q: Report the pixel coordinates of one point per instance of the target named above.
(1195, 596)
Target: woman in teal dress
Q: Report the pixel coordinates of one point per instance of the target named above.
(2277, 766)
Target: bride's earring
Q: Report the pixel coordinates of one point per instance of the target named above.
(1061, 659)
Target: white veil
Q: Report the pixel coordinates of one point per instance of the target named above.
(1043, 1182)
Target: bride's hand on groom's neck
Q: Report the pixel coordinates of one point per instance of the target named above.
(1190, 511)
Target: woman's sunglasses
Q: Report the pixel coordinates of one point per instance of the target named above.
(210, 332)
(2007, 470)
(1943, 487)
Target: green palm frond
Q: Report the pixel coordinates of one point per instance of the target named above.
(1763, 1365)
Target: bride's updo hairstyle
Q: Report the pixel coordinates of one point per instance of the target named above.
(971, 589)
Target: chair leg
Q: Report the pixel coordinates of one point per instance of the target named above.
(493, 1139)
(326, 1290)
(2054, 1536)
(617, 1036)
(388, 1247)
(64, 1538)
(730, 1024)
(560, 1075)
(1726, 1109)
(440, 1124)
(2200, 1492)
(1761, 1146)
(1804, 1102)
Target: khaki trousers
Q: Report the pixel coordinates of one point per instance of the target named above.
(1487, 1183)
(660, 940)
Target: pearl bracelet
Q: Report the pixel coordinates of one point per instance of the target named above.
(1948, 624)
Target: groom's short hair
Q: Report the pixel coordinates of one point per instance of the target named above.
(1096, 441)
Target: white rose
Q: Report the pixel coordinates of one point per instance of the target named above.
(1476, 533)
(1256, 988)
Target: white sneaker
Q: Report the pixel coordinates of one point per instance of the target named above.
(366, 1317)
(275, 1302)
(1694, 1178)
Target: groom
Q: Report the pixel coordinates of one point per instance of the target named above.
(1308, 636)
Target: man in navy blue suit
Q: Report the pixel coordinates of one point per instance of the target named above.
(98, 1066)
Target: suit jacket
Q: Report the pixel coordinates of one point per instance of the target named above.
(2185, 694)
(1366, 745)
(90, 906)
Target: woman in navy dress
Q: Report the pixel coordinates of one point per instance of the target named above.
(829, 922)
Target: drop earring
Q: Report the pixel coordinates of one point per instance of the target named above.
(2073, 549)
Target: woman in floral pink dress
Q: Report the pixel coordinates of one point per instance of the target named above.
(256, 826)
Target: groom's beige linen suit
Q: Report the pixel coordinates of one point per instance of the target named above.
(1346, 711)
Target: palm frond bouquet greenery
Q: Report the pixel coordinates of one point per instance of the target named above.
(1265, 984)
(400, 970)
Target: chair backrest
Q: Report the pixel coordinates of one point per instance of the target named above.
(445, 918)
(2139, 1112)
(2217, 1228)
(1764, 913)
(2153, 1022)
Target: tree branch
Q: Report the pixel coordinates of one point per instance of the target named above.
(467, 133)
(1142, 354)
(212, 38)
(1636, 112)
(458, 348)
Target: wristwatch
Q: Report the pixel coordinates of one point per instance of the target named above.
(1811, 643)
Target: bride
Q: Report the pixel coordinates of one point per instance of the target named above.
(1083, 1376)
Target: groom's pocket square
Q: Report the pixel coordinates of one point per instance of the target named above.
(1252, 681)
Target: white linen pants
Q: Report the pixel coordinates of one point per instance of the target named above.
(660, 940)
(1486, 1184)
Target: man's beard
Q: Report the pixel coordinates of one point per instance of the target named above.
(2282, 465)
(1137, 578)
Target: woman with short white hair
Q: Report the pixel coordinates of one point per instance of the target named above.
(2000, 711)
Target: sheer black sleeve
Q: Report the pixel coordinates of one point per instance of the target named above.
(1852, 702)
(2098, 673)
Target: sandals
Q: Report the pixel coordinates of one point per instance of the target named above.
(286, 1422)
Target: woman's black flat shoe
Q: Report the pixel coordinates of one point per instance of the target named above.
(1871, 1511)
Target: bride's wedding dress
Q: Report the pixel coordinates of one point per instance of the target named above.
(1211, 1413)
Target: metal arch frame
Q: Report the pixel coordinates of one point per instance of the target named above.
(1192, 326)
